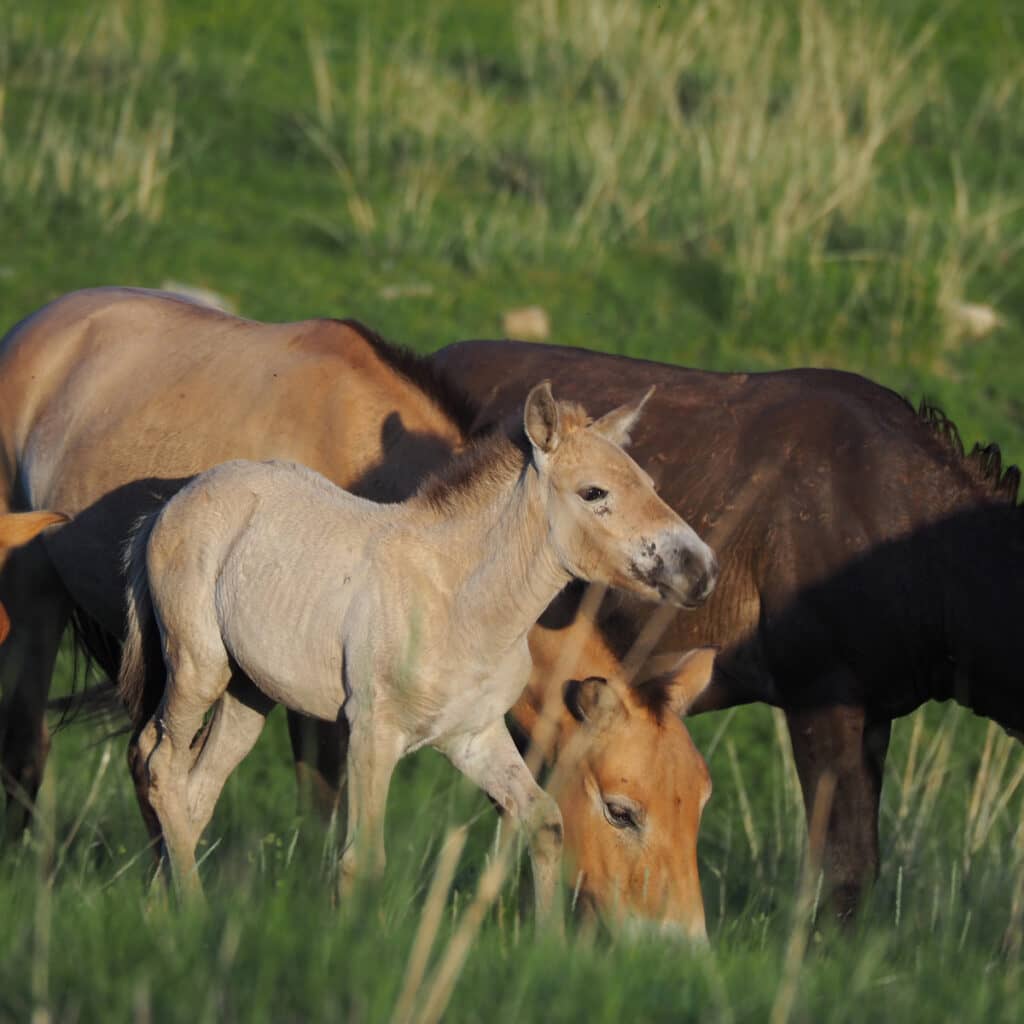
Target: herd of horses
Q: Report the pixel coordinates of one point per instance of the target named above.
(397, 550)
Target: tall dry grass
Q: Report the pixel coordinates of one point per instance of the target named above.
(96, 123)
(768, 136)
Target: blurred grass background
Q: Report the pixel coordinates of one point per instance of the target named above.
(718, 183)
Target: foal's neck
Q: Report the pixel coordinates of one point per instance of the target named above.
(510, 569)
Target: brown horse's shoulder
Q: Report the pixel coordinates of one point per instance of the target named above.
(334, 340)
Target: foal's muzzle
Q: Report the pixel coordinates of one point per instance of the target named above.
(690, 573)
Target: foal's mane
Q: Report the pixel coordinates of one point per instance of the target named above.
(489, 460)
(984, 462)
(421, 372)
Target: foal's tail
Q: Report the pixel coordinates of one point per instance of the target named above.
(140, 681)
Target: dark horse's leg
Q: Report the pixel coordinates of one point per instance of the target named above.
(320, 750)
(842, 741)
(39, 609)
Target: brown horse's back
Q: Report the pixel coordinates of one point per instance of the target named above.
(110, 398)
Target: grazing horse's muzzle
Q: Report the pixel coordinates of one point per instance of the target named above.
(693, 934)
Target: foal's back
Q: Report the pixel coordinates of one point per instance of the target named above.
(250, 556)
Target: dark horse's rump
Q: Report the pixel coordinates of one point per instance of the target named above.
(868, 563)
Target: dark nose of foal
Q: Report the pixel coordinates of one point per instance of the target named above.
(702, 575)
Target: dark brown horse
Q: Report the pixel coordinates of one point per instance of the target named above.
(867, 564)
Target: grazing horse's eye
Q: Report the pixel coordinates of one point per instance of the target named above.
(621, 815)
(592, 493)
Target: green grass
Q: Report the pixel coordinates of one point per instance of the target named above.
(719, 183)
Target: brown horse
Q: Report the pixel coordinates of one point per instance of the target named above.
(868, 565)
(110, 400)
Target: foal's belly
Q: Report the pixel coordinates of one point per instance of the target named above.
(292, 659)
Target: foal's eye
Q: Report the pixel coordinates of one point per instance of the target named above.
(621, 815)
(592, 493)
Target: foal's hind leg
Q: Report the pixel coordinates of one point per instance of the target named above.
(39, 608)
(194, 684)
(234, 729)
(490, 759)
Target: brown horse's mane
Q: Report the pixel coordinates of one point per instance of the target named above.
(984, 462)
(421, 372)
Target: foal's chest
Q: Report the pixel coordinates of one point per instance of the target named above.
(472, 696)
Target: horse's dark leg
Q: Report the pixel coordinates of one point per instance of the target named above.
(319, 749)
(39, 609)
(842, 742)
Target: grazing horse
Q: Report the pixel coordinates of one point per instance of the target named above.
(868, 565)
(270, 585)
(626, 725)
(17, 529)
(111, 399)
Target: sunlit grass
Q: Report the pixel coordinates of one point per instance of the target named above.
(95, 128)
(272, 943)
(723, 183)
(767, 141)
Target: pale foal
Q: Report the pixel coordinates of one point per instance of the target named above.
(271, 585)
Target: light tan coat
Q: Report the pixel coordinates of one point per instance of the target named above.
(411, 620)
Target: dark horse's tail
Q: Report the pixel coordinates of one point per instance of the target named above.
(140, 681)
(136, 663)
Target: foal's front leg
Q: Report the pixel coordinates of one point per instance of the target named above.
(490, 759)
(373, 751)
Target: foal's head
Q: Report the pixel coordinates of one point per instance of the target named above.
(608, 523)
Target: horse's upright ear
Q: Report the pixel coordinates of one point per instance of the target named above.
(683, 677)
(617, 424)
(540, 418)
(17, 528)
(592, 701)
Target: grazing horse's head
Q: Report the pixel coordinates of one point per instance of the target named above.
(629, 781)
(607, 522)
(16, 529)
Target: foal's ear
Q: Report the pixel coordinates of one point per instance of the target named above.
(617, 424)
(592, 701)
(540, 418)
(684, 677)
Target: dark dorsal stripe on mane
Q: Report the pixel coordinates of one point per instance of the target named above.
(500, 453)
(653, 695)
(419, 370)
(984, 463)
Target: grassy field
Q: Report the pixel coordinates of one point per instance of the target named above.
(720, 183)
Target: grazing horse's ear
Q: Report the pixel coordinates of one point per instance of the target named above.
(18, 528)
(592, 701)
(617, 424)
(683, 677)
(540, 418)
